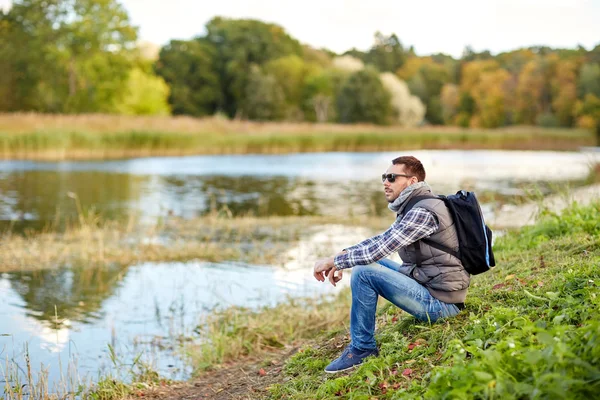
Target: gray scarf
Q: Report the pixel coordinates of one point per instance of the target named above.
(398, 204)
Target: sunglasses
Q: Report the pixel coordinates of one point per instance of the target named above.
(392, 177)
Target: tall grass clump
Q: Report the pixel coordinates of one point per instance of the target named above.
(530, 330)
(237, 332)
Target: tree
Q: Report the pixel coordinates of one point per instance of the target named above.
(564, 91)
(239, 45)
(68, 55)
(265, 99)
(189, 69)
(425, 78)
(588, 113)
(145, 94)
(409, 110)
(450, 100)
(347, 63)
(290, 73)
(318, 94)
(387, 54)
(487, 85)
(363, 98)
(528, 96)
(589, 80)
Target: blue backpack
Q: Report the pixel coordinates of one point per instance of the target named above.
(474, 236)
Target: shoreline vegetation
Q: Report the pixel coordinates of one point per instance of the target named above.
(532, 318)
(217, 237)
(96, 136)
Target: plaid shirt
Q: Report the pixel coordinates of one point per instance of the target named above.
(417, 224)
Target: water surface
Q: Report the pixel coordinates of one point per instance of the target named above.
(36, 194)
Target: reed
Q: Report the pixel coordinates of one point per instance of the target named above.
(59, 137)
(94, 243)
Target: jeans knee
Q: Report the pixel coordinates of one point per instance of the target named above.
(359, 273)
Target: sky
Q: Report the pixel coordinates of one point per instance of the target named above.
(431, 26)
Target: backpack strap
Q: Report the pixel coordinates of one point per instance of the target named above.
(419, 257)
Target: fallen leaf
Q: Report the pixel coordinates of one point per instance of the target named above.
(394, 372)
(274, 362)
(395, 318)
(509, 277)
(540, 283)
(396, 385)
(498, 286)
(410, 362)
(262, 372)
(407, 372)
(383, 386)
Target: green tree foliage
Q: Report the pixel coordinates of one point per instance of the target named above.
(387, 54)
(189, 69)
(425, 78)
(265, 99)
(589, 80)
(290, 72)
(66, 55)
(241, 44)
(318, 94)
(363, 98)
(145, 94)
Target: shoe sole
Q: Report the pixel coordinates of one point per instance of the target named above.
(342, 370)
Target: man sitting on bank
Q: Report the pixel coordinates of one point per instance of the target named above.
(431, 288)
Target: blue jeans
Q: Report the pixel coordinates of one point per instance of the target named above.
(383, 279)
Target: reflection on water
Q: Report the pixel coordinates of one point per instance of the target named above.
(34, 194)
(75, 313)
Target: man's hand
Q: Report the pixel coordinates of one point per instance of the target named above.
(335, 275)
(322, 268)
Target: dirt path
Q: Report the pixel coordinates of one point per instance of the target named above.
(245, 379)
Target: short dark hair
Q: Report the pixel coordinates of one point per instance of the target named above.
(412, 166)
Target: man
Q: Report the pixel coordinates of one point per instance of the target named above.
(430, 284)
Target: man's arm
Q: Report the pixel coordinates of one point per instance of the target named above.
(365, 242)
(417, 224)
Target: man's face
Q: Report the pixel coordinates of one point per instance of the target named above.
(393, 189)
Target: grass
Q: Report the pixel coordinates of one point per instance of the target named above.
(58, 137)
(26, 382)
(239, 332)
(531, 329)
(217, 237)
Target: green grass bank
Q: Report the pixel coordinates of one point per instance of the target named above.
(531, 330)
(59, 137)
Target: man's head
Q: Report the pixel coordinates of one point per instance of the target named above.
(404, 172)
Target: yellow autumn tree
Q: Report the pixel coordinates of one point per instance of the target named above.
(564, 91)
(528, 96)
(488, 85)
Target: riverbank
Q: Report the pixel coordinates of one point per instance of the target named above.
(531, 320)
(262, 348)
(76, 137)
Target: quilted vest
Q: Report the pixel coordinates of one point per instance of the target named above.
(441, 273)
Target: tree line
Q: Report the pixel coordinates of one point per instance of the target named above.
(80, 56)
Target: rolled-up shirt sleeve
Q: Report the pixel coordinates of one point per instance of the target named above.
(417, 224)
